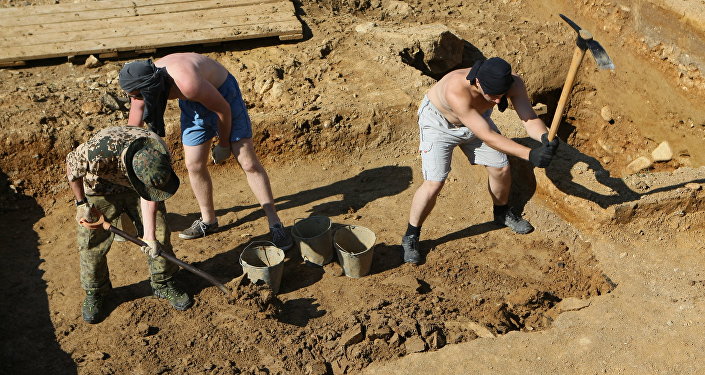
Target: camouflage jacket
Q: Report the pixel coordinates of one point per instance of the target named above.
(99, 161)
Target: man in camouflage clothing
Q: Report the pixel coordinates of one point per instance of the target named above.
(123, 169)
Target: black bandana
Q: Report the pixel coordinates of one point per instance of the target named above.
(495, 76)
(153, 83)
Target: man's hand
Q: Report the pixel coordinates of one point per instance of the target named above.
(553, 145)
(153, 248)
(87, 212)
(541, 156)
(220, 153)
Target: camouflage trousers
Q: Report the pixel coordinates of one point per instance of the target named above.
(93, 245)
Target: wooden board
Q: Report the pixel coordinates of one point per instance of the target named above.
(107, 28)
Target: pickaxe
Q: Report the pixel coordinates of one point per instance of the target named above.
(583, 42)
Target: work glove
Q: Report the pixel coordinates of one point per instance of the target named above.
(153, 248)
(541, 156)
(219, 153)
(87, 212)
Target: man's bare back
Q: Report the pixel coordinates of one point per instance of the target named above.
(184, 68)
(455, 83)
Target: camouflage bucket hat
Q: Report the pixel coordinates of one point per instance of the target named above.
(149, 169)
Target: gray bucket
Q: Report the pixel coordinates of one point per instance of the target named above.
(263, 262)
(314, 238)
(355, 248)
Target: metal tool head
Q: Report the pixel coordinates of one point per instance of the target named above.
(585, 41)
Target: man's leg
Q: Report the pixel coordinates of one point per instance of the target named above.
(196, 158)
(423, 202)
(499, 184)
(421, 206)
(257, 178)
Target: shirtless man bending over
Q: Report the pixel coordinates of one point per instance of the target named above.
(211, 104)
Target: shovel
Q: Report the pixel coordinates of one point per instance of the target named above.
(101, 223)
(584, 42)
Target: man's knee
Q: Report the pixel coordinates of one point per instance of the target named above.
(249, 163)
(432, 188)
(196, 165)
(499, 173)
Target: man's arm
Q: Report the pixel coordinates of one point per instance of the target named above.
(534, 126)
(149, 219)
(136, 112)
(459, 101)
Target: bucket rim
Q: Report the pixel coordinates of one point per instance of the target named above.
(295, 233)
(243, 263)
(351, 226)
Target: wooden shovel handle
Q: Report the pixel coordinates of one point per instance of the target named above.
(101, 223)
(567, 87)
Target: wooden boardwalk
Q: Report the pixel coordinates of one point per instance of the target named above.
(107, 28)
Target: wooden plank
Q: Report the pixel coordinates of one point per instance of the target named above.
(171, 39)
(107, 28)
(139, 26)
(36, 10)
(130, 11)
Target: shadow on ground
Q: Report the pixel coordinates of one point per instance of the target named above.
(28, 344)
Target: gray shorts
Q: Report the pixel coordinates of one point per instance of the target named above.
(439, 137)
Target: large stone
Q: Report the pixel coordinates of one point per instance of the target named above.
(663, 152)
(606, 113)
(415, 344)
(352, 336)
(638, 164)
(434, 49)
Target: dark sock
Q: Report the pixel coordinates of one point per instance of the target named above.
(416, 231)
(501, 210)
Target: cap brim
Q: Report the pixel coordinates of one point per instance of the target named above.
(149, 193)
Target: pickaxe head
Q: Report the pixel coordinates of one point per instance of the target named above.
(585, 42)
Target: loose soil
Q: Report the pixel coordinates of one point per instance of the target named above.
(334, 119)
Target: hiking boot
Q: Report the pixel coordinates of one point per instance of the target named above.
(172, 293)
(412, 254)
(92, 308)
(514, 222)
(199, 229)
(281, 237)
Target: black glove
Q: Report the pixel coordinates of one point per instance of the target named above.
(541, 156)
(553, 145)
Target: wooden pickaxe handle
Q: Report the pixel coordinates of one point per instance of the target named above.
(567, 87)
(101, 223)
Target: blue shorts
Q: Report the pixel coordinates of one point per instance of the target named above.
(199, 124)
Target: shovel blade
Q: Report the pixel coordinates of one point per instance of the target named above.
(601, 58)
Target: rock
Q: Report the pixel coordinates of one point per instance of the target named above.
(364, 27)
(415, 345)
(352, 336)
(143, 329)
(110, 102)
(316, 368)
(396, 8)
(572, 304)
(92, 62)
(436, 340)
(434, 49)
(540, 109)
(468, 325)
(91, 107)
(606, 113)
(383, 332)
(663, 152)
(638, 164)
(693, 186)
